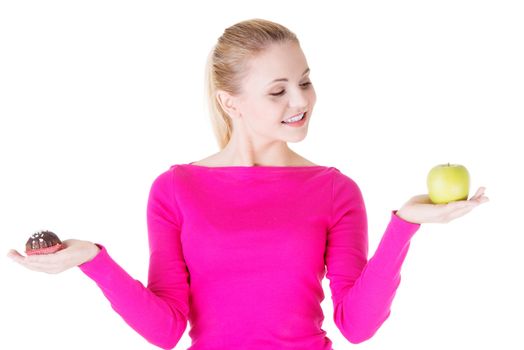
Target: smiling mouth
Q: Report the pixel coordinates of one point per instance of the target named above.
(303, 117)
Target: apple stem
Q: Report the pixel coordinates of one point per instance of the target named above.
(448, 164)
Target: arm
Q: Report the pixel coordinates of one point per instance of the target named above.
(158, 312)
(362, 290)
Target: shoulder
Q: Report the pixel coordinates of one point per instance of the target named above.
(165, 179)
(165, 175)
(174, 177)
(345, 186)
(342, 179)
(162, 194)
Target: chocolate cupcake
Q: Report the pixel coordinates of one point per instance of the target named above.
(43, 242)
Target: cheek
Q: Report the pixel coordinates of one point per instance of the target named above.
(264, 115)
(270, 111)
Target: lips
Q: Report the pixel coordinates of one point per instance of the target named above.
(304, 112)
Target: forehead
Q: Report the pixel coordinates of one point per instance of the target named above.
(283, 60)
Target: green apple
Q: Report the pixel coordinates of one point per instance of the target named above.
(448, 183)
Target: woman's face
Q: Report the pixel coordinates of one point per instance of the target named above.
(277, 87)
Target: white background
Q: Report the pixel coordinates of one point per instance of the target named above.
(98, 98)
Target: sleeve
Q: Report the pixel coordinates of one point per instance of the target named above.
(362, 291)
(159, 312)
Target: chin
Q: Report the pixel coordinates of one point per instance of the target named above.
(297, 138)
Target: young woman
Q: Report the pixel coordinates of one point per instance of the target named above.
(241, 240)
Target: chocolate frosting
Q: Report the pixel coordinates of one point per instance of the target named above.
(42, 239)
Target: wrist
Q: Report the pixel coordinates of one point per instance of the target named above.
(92, 251)
(397, 213)
(401, 216)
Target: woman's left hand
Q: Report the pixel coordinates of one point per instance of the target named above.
(419, 209)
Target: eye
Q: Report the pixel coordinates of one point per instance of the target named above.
(305, 85)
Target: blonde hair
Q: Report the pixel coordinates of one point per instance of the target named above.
(226, 65)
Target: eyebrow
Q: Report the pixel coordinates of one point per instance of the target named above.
(285, 79)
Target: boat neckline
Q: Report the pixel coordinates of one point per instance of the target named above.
(257, 166)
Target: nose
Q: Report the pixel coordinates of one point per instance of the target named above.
(299, 99)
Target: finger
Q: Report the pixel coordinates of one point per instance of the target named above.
(482, 199)
(15, 255)
(464, 207)
(33, 267)
(36, 265)
(459, 212)
(42, 263)
(451, 206)
(479, 192)
(44, 259)
(479, 197)
(454, 210)
(22, 260)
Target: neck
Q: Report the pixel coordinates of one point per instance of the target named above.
(244, 151)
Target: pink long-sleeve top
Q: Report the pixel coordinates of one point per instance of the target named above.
(240, 252)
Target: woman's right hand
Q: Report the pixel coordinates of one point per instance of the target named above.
(75, 252)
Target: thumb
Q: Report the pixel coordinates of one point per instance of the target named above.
(14, 255)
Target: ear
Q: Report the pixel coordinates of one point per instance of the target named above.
(228, 103)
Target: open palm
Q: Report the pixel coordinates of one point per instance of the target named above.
(419, 209)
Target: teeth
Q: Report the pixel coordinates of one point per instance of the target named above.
(294, 119)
